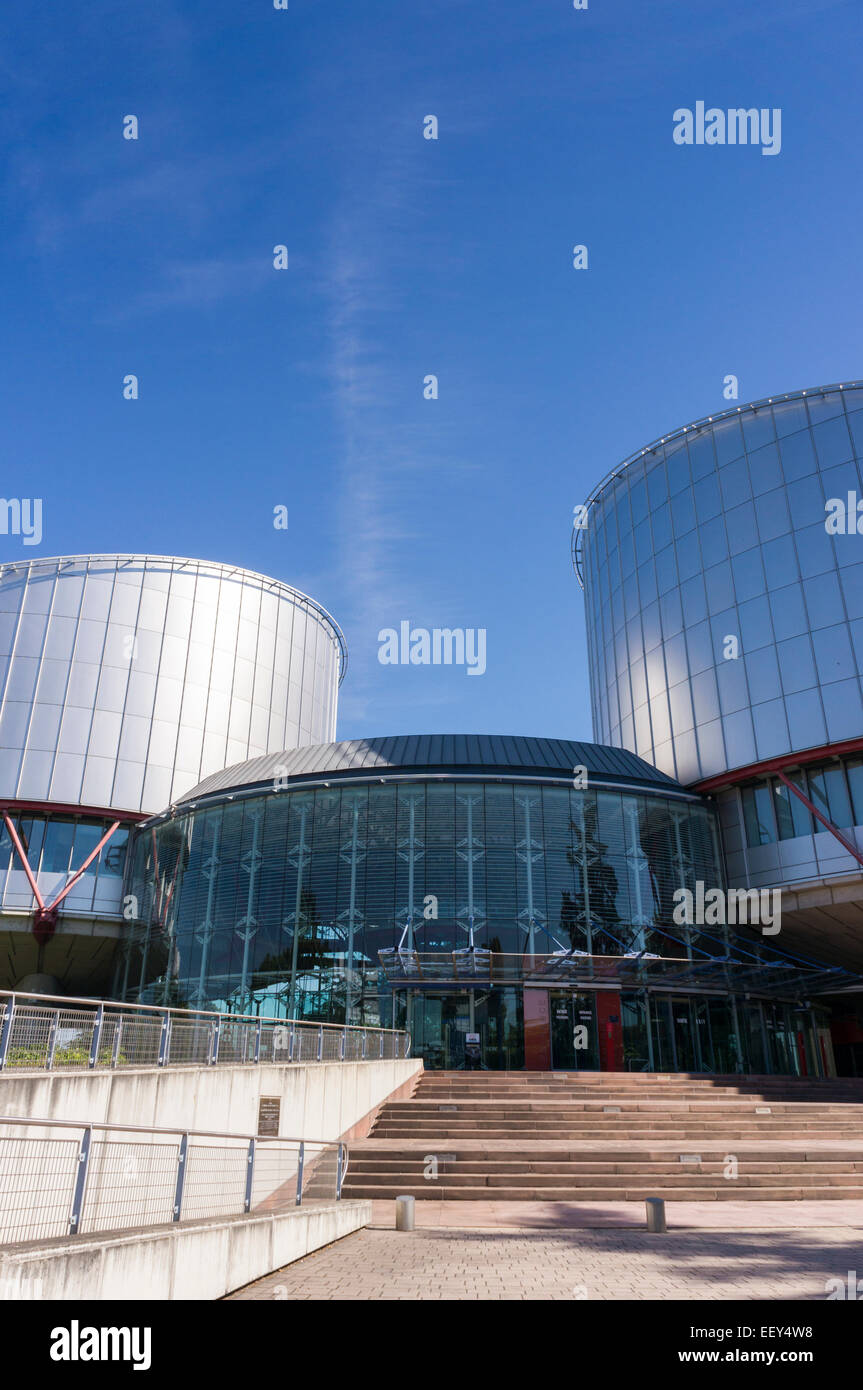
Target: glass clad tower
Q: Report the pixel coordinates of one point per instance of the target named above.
(711, 542)
(722, 570)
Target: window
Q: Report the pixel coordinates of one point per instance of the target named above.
(112, 860)
(792, 817)
(57, 849)
(855, 782)
(829, 792)
(758, 815)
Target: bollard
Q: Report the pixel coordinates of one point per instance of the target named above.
(656, 1215)
(405, 1210)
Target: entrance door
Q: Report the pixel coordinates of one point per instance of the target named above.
(438, 1028)
(574, 1034)
(499, 1020)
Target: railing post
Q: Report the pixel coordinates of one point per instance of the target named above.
(291, 1048)
(80, 1182)
(258, 1031)
(97, 1036)
(165, 1040)
(320, 1042)
(343, 1045)
(302, 1156)
(6, 1035)
(182, 1155)
(115, 1050)
(214, 1049)
(382, 1043)
(364, 1045)
(340, 1173)
(52, 1040)
(250, 1174)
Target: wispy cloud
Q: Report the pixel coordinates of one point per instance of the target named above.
(381, 449)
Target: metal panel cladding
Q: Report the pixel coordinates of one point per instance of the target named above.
(125, 679)
(723, 577)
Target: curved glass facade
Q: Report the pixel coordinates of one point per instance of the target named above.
(282, 900)
(725, 624)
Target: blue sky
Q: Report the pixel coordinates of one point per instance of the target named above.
(407, 256)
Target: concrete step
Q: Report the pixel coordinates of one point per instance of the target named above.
(691, 1178)
(626, 1127)
(514, 1109)
(518, 1157)
(595, 1137)
(389, 1168)
(687, 1138)
(633, 1078)
(560, 1097)
(633, 1192)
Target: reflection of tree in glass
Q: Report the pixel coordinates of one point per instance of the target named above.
(596, 904)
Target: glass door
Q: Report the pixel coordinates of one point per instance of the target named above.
(574, 1034)
(439, 1024)
(685, 1037)
(499, 1020)
(727, 1051)
(781, 1039)
(662, 1034)
(637, 1049)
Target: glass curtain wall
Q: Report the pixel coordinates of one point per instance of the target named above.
(280, 902)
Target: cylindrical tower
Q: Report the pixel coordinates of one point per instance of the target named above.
(125, 679)
(723, 575)
(721, 611)
(128, 678)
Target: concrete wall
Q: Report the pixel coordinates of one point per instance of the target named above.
(201, 1261)
(321, 1100)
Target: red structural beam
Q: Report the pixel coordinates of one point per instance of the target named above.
(782, 763)
(58, 808)
(22, 855)
(45, 916)
(828, 825)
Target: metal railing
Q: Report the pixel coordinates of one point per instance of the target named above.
(95, 1178)
(41, 1032)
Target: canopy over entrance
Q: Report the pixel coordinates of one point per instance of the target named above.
(747, 971)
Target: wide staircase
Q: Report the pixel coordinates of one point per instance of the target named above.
(577, 1136)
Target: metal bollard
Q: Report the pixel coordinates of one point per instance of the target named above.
(656, 1215)
(405, 1212)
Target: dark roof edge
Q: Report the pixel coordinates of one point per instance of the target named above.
(431, 755)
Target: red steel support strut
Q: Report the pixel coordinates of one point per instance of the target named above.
(45, 916)
(828, 825)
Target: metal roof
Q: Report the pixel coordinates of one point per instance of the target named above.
(480, 754)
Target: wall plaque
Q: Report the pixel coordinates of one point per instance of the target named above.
(269, 1109)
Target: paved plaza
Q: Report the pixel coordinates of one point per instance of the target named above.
(750, 1257)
